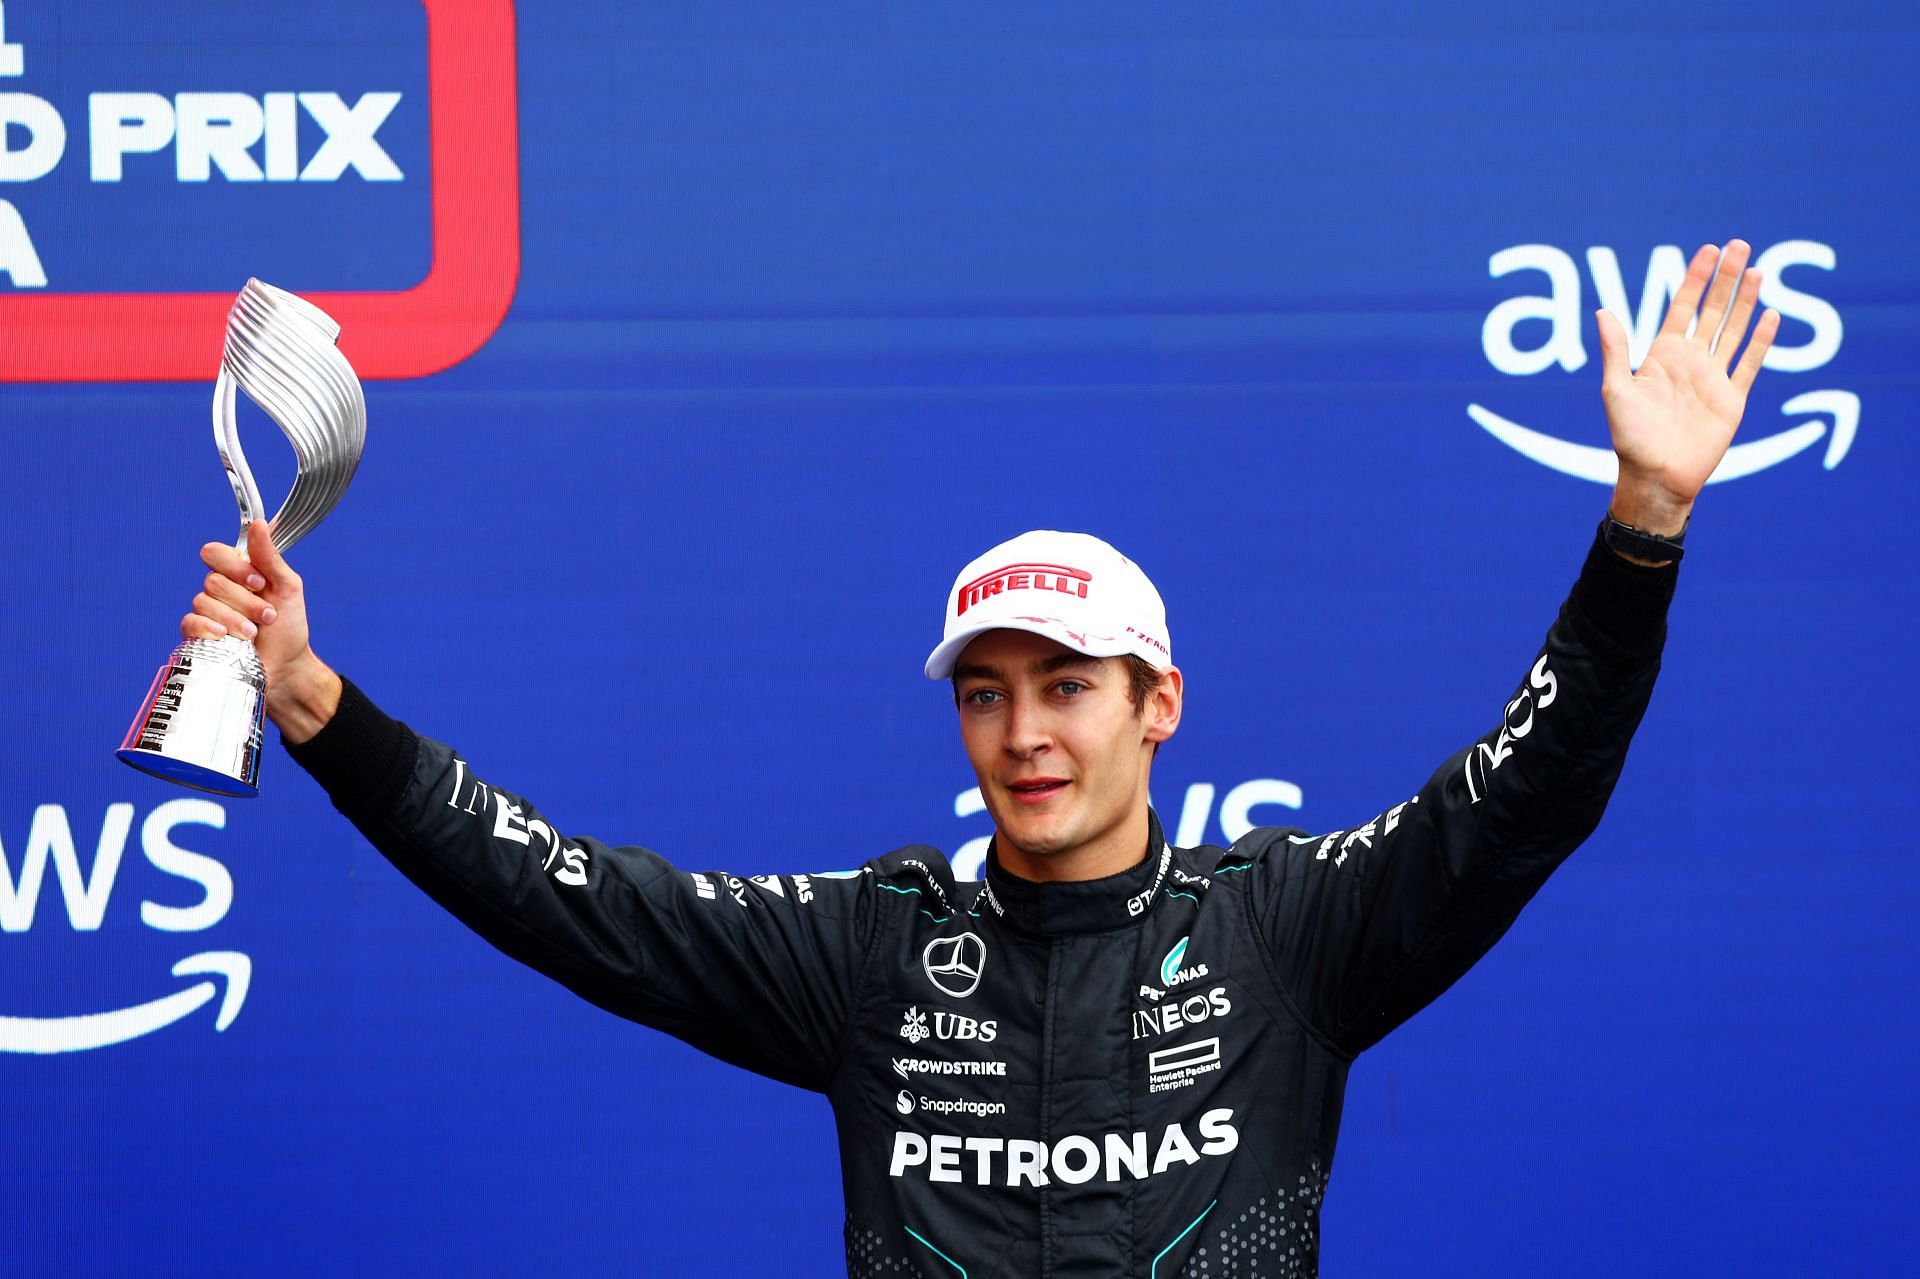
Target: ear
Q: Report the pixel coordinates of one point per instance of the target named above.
(1163, 706)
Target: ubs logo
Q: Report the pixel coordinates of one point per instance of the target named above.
(954, 964)
(1826, 412)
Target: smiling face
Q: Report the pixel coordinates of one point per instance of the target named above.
(1061, 752)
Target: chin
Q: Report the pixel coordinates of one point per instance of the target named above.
(1041, 836)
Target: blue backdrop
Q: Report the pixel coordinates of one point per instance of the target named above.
(814, 303)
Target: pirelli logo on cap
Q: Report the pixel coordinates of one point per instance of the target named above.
(1022, 577)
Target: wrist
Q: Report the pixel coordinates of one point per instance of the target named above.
(302, 697)
(1648, 507)
(1636, 547)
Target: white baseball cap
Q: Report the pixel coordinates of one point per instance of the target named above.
(1070, 587)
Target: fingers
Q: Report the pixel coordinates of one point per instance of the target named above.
(233, 606)
(230, 563)
(231, 598)
(226, 619)
(1749, 366)
(259, 567)
(1687, 299)
(1613, 348)
(1736, 326)
(266, 556)
(194, 626)
(1733, 260)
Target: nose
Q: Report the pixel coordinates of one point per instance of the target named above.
(1028, 733)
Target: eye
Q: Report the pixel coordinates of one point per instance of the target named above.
(981, 696)
(1070, 687)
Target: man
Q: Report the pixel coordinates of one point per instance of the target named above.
(1111, 1057)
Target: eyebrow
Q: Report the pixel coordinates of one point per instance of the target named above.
(1059, 661)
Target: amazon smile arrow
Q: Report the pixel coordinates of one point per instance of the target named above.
(1586, 462)
(98, 1030)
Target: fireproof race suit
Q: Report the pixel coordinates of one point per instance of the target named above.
(1137, 1075)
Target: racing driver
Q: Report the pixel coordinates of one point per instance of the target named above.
(1111, 1056)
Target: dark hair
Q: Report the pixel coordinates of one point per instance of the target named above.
(1142, 679)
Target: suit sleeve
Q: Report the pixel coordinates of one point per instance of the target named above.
(758, 972)
(1368, 925)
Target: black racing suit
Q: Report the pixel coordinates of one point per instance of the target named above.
(1138, 1075)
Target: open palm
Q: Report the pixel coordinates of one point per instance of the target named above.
(1673, 420)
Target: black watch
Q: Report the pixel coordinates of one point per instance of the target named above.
(1629, 540)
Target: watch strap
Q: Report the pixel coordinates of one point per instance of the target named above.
(1629, 540)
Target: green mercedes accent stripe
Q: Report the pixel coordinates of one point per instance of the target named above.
(938, 919)
(949, 1260)
(1155, 1272)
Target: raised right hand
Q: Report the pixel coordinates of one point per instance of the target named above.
(255, 596)
(258, 597)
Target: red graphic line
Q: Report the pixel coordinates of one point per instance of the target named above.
(474, 147)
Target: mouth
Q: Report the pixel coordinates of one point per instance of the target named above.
(1037, 790)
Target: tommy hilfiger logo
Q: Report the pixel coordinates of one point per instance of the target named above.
(1022, 577)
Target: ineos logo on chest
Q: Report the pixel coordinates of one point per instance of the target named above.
(1191, 1011)
(954, 964)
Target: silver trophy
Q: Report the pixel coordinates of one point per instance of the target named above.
(200, 724)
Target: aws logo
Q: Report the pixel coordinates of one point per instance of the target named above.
(50, 843)
(1827, 413)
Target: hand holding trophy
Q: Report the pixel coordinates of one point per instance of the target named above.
(200, 724)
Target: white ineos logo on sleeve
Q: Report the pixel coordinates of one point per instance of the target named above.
(954, 964)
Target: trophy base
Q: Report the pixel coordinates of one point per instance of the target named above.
(200, 724)
(186, 773)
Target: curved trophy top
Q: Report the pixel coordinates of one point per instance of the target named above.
(280, 350)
